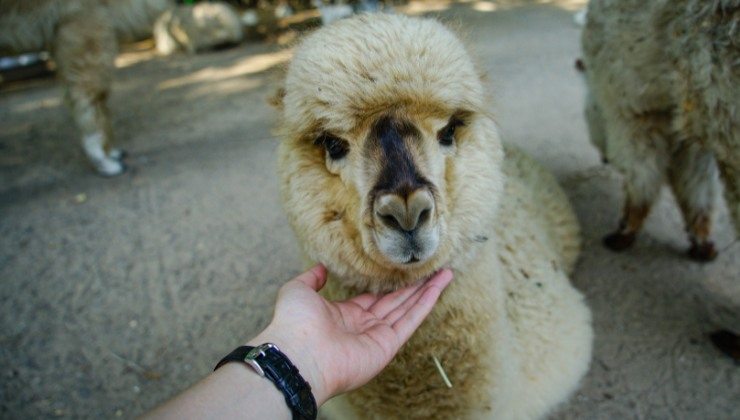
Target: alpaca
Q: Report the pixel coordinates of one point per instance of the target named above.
(197, 28)
(82, 36)
(664, 83)
(391, 169)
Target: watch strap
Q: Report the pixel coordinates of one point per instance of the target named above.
(267, 360)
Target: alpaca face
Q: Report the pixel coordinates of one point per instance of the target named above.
(386, 154)
(397, 165)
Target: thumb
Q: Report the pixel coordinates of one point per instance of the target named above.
(315, 278)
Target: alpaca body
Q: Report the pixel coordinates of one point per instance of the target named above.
(83, 38)
(197, 28)
(381, 109)
(664, 105)
(511, 333)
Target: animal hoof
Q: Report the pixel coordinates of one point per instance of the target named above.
(618, 241)
(117, 154)
(110, 167)
(728, 343)
(580, 66)
(703, 252)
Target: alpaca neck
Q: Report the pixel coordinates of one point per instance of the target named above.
(466, 332)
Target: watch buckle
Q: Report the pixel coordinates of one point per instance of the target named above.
(259, 351)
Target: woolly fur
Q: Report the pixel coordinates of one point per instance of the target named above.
(664, 81)
(83, 38)
(512, 334)
(197, 28)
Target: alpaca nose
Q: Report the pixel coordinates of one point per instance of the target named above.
(405, 212)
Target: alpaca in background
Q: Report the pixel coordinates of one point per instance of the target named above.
(196, 28)
(83, 38)
(664, 103)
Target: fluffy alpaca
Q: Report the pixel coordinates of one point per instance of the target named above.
(664, 82)
(391, 168)
(82, 36)
(196, 28)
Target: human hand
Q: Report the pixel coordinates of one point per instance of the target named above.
(340, 346)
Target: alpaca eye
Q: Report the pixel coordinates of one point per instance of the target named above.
(446, 135)
(334, 146)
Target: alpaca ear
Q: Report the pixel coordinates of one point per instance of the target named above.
(276, 99)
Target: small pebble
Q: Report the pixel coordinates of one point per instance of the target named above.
(119, 413)
(133, 323)
(81, 198)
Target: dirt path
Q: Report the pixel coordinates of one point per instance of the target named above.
(118, 293)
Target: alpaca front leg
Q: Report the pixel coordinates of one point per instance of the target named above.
(642, 184)
(637, 147)
(633, 216)
(107, 161)
(85, 48)
(695, 181)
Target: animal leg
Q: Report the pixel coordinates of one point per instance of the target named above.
(85, 47)
(642, 181)
(636, 145)
(633, 216)
(694, 178)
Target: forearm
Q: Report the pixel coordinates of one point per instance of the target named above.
(233, 391)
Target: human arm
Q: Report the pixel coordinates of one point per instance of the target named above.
(337, 346)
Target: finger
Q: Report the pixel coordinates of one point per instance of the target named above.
(440, 280)
(391, 301)
(410, 321)
(402, 309)
(315, 278)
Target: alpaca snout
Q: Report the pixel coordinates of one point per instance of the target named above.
(405, 212)
(406, 229)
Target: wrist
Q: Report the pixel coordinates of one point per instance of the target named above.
(309, 367)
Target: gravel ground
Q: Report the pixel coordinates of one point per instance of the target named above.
(117, 293)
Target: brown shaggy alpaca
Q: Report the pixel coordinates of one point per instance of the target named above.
(83, 38)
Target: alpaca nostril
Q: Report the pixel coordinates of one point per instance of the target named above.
(390, 221)
(405, 214)
(424, 216)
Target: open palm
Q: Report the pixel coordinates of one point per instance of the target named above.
(342, 345)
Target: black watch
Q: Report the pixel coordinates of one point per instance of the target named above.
(268, 361)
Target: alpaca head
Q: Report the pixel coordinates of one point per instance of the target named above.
(390, 168)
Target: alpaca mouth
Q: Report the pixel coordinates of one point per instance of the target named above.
(406, 250)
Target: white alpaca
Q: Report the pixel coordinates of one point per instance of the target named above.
(392, 168)
(664, 103)
(197, 28)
